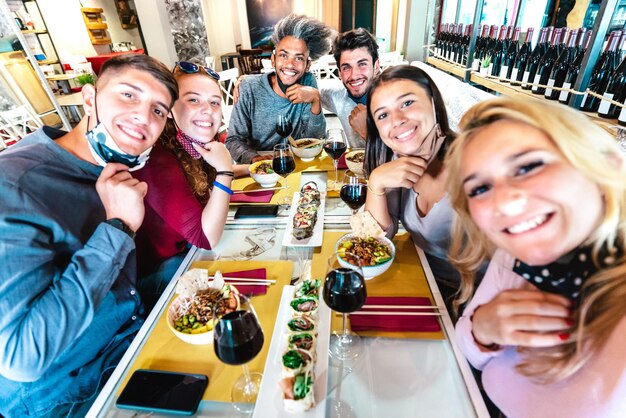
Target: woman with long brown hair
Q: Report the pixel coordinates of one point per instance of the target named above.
(539, 189)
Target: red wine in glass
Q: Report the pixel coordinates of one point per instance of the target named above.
(335, 149)
(283, 126)
(344, 290)
(283, 165)
(238, 344)
(353, 195)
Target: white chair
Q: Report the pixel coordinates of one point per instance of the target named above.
(20, 121)
(389, 59)
(210, 62)
(323, 70)
(267, 66)
(227, 84)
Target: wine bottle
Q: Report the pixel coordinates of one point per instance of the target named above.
(456, 46)
(574, 67)
(615, 90)
(547, 62)
(439, 40)
(480, 45)
(522, 58)
(535, 58)
(489, 47)
(498, 52)
(561, 65)
(607, 62)
(465, 45)
(508, 61)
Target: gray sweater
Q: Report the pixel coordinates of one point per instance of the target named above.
(252, 125)
(335, 99)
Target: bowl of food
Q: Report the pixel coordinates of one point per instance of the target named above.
(193, 317)
(263, 173)
(307, 148)
(375, 254)
(355, 160)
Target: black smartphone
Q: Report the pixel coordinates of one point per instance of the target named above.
(161, 391)
(256, 211)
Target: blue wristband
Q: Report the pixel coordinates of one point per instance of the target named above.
(222, 187)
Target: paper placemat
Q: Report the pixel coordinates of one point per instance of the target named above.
(405, 277)
(164, 351)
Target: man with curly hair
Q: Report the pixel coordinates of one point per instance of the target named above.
(291, 90)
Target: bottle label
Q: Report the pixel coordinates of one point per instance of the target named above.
(454, 56)
(622, 115)
(525, 78)
(514, 74)
(490, 69)
(582, 104)
(564, 94)
(536, 81)
(549, 90)
(603, 109)
(475, 64)
(503, 72)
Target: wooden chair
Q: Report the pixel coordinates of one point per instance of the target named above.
(227, 84)
(250, 61)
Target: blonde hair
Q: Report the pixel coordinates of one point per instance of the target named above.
(593, 152)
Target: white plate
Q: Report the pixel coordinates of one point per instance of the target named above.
(314, 240)
(270, 400)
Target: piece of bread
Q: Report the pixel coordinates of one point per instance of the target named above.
(364, 225)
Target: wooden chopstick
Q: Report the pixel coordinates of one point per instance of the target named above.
(402, 307)
(258, 190)
(245, 279)
(250, 283)
(383, 313)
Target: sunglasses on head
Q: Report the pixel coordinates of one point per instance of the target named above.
(191, 68)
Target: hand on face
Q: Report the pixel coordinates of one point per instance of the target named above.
(122, 195)
(358, 120)
(526, 318)
(302, 94)
(216, 154)
(403, 172)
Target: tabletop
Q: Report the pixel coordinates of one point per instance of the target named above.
(410, 374)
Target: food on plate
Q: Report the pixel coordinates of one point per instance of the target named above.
(308, 288)
(264, 168)
(296, 361)
(364, 225)
(357, 157)
(306, 214)
(370, 251)
(302, 340)
(306, 305)
(307, 141)
(301, 323)
(298, 392)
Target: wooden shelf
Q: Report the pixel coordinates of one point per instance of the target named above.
(96, 28)
(94, 10)
(454, 69)
(36, 31)
(47, 62)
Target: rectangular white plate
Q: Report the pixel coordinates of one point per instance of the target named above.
(270, 400)
(314, 240)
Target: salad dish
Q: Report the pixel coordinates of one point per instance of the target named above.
(375, 254)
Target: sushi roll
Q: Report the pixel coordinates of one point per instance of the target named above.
(304, 222)
(298, 393)
(302, 324)
(308, 288)
(303, 340)
(306, 305)
(297, 361)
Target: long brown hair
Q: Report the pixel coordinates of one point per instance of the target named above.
(593, 152)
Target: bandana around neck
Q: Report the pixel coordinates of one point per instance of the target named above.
(567, 275)
(186, 141)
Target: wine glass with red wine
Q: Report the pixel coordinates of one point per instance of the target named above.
(335, 145)
(344, 291)
(283, 164)
(353, 191)
(238, 338)
(283, 126)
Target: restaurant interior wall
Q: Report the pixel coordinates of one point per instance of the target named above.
(156, 30)
(420, 20)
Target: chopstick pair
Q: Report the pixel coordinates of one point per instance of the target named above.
(268, 189)
(365, 310)
(383, 313)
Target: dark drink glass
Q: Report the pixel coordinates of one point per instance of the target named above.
(335, 145)
(283, 126)
(283, 164)
(354, 191)
(237, 339)
(344, 291)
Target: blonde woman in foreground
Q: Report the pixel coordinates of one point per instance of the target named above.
(541, 190)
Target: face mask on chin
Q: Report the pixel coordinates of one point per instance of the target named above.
(105, 150)
(282, 86)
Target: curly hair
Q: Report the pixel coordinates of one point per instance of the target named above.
(315, 34)
(354, 39)
(592, 151)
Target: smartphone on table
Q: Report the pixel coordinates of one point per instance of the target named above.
(256, 211)
(163, 391)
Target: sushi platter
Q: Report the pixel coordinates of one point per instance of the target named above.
(271, 401)
(305, 224)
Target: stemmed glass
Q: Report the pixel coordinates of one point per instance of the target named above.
(238, 338)
(335, 145)
(344, 291)
(283, 126)
(354, 191)
(283, 164)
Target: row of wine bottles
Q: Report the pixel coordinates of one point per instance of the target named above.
(554, 62)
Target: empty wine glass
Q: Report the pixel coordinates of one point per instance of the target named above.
(283, 126)
(283, 164)
(335, 145)
(353, 191)
(344, 291)
(238, 338)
